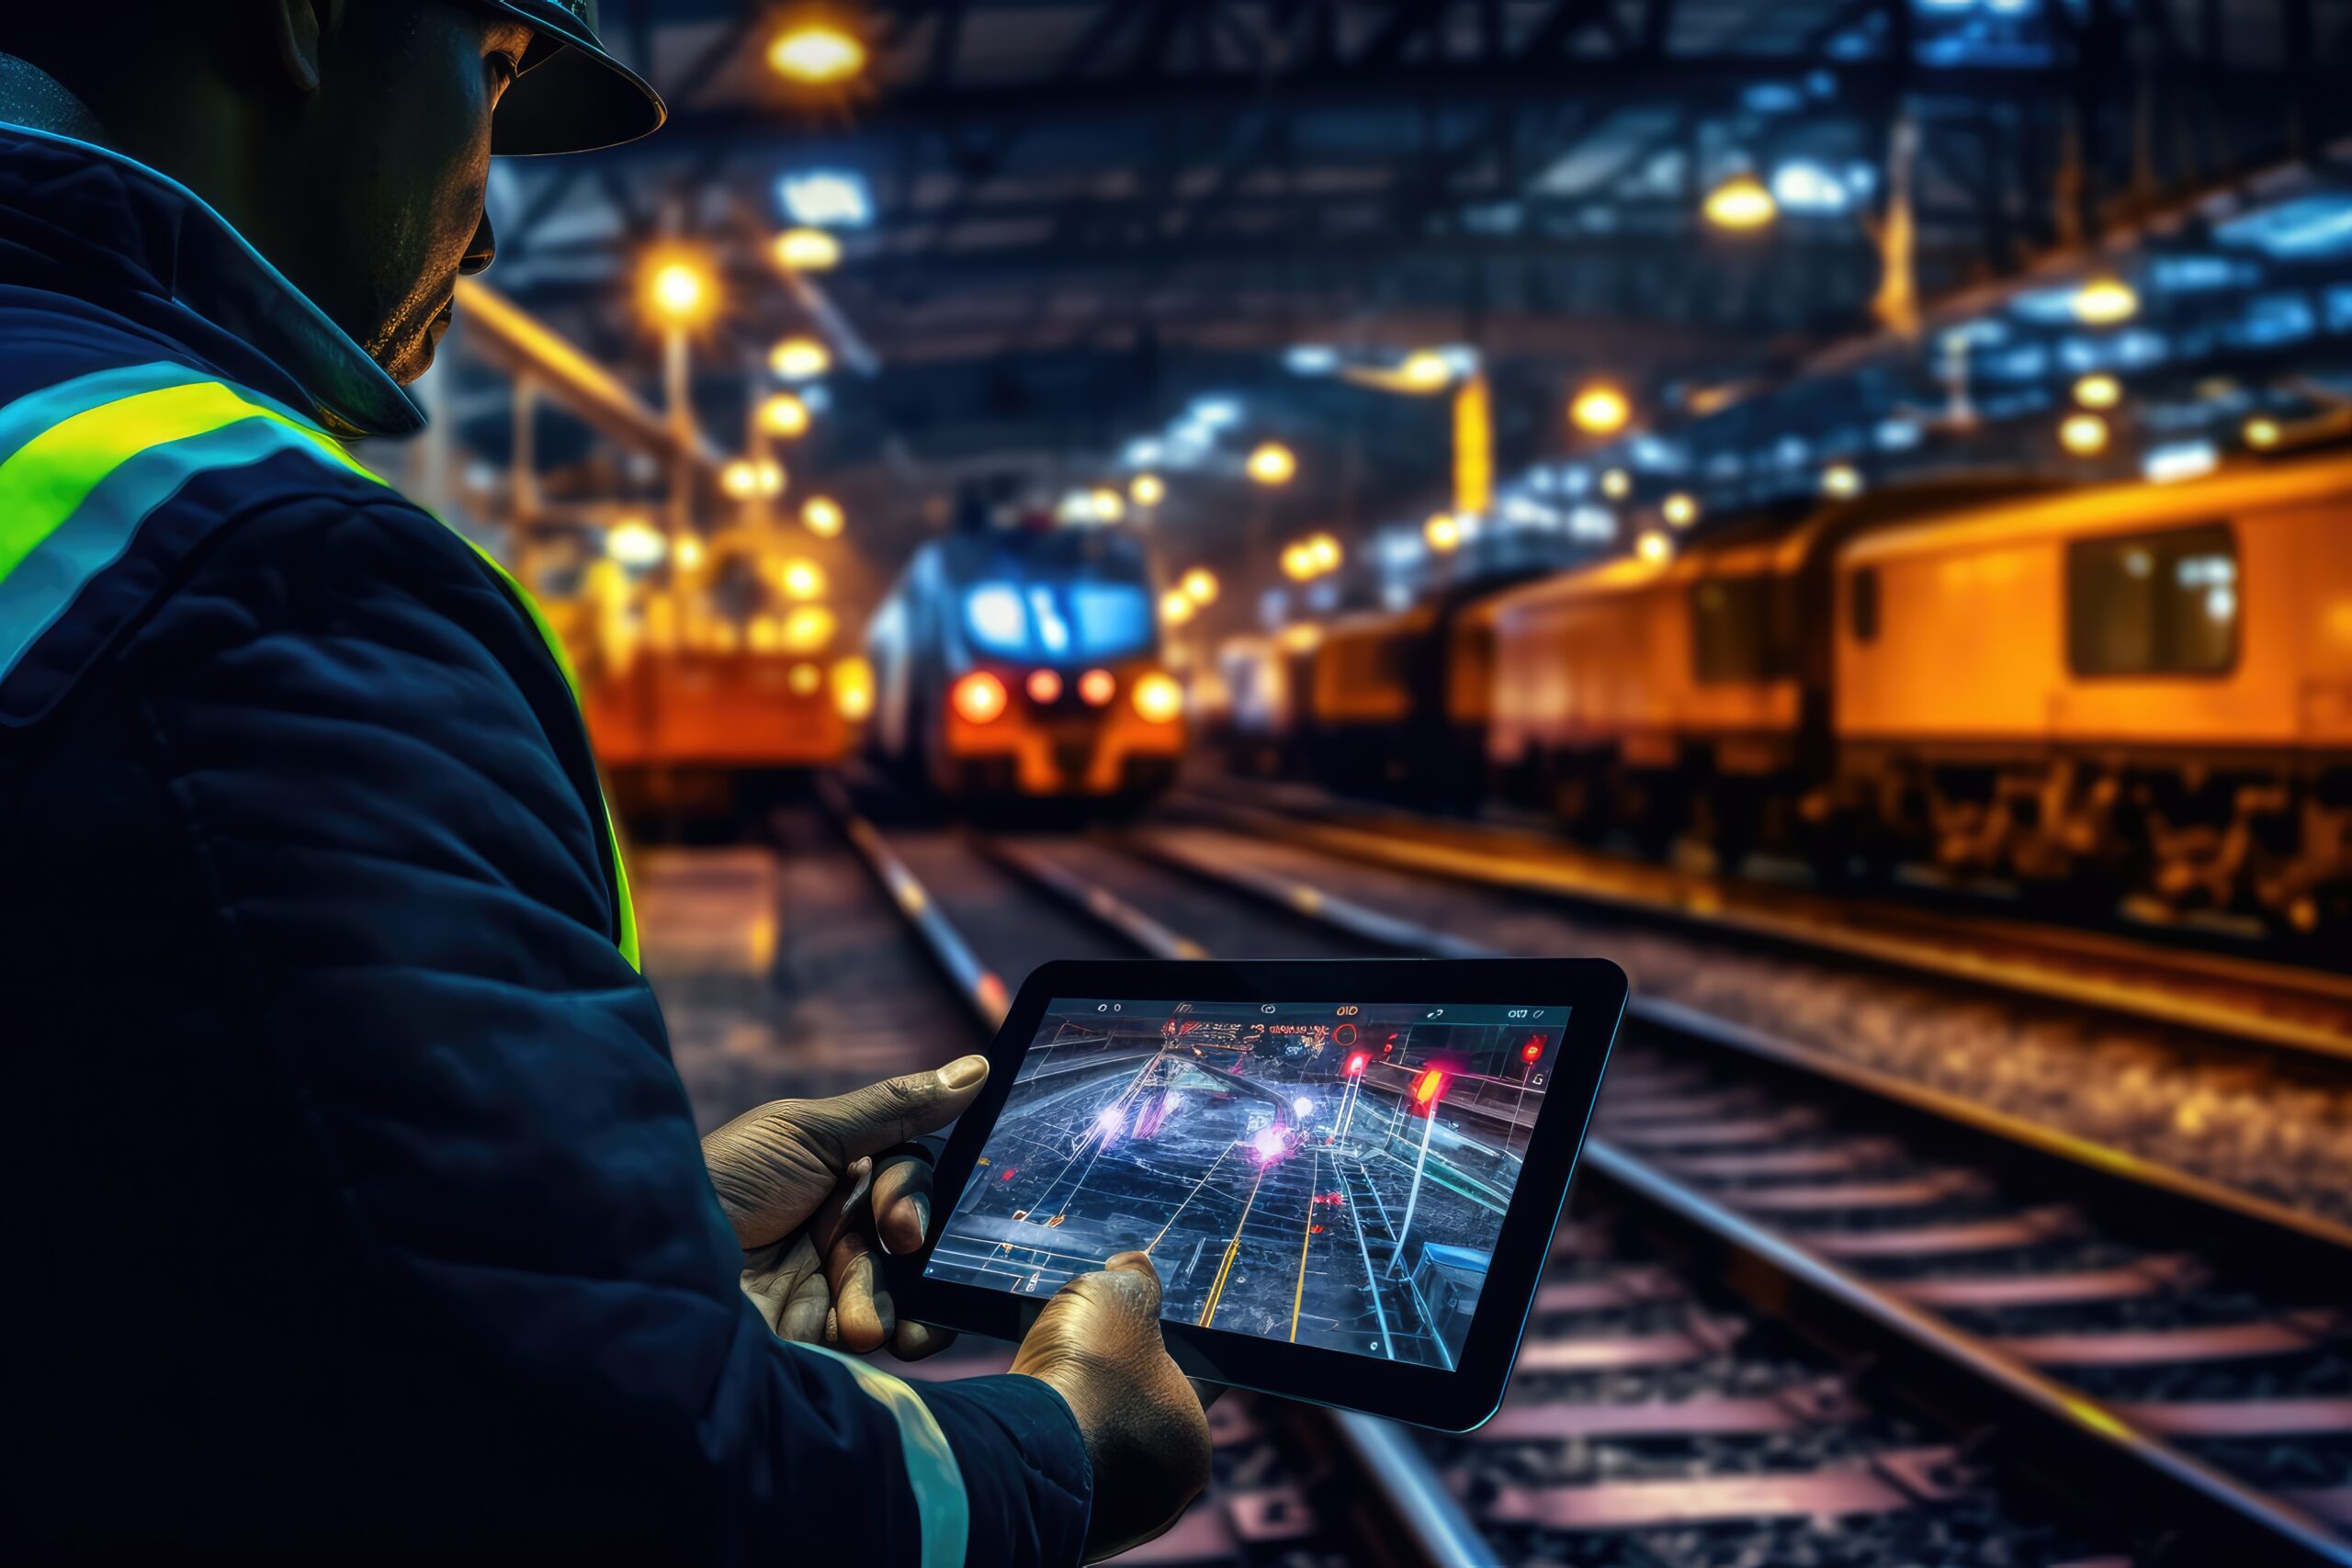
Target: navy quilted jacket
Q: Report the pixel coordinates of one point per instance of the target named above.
(354, 1208)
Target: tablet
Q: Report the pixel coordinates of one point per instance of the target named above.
(1348, 1174)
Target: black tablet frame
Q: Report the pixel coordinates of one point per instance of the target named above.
(1592, 989)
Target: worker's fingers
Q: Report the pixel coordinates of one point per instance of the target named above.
(1138, 1281)
(902, 1202)
(914, 1340)
(862, 1314)
(869, 1120)
(788, 1283)
(807, 1312)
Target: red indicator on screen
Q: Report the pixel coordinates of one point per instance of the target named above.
(1531, 1051)
(1007, 1175)
(1358, 1063)
(1427, 1088)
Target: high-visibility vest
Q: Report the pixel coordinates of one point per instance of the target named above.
(83, 463)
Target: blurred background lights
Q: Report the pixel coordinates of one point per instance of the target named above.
(2261, 433)
(799, 358)
(1147, 489)
(2105, 301)
(816, 53)
(1442, 531)
(746, 477)
(2083, 434)
(1108, 504)
(827, 198)
(1176, 607)
(802, 578)
(1681, 509)
(1273, 464)
(679, 291)
(1654, 547)
(1425, 370)
(1803, 186)
(821, 515)
(1200, 585)
(1601, 409)
(634, 542)
(2099, 391)
(1311, 359)
(808, 250)
(1841, 481)
(1616, 484)
(1740, 203)
(781, 413)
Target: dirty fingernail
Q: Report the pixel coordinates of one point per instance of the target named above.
(964, 1072)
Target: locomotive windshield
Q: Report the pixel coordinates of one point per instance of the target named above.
(1054, 598)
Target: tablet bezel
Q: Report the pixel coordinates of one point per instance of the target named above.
(1592, 989)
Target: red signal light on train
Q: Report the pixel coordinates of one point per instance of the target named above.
(1531, 1051)
(1357, 1061)
(979, 697)
(1098, 687)
(1044, 687)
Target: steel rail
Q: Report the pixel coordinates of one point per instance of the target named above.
(1702, 912)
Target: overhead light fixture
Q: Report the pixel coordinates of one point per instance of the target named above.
(2099, 391)
(1426, 370)
(808, 250)
(1601, 409)
(799, 359)
(802, 578)
(1324, 550)
(1616, 484)
(783, 414)
(744, 478)
(1654, 547)
(1175, 607)
(1273, 464)
(823, 516)
(1200, 585)
(2083, 434)
(828, 199)
(1679, 510)
(1109, 505)
(2104, 301)
(1841, 481)
(1298, 562)
(1147, 489)
(679, 291)
(816, 53)
(634, 542)
(1741, 202)
(1442, 531)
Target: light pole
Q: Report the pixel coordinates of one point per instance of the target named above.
(1427, 1089)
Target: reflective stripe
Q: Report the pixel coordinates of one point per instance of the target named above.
(932, 1472)
(83, 463)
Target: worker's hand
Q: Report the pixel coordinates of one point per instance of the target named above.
(1097, 1344)
(800, 1181)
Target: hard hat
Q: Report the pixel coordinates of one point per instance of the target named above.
(571, 95)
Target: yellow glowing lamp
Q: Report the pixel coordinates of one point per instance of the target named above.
(2101, 392)
(689, 552)
(802, 578)
(1616, 484)
(783, 414)
(1158, 698)
(1425, 370)
(1200, 585)
(1601, 409)
(1175, 607)
(1654, 547)
(2104, 301)
(807, 629)
(634, 542)
(2262, 433)
(1147, 489)
(2083, 434)
(1679, 510)
(679, 292)
(805, 679)
(853, 689)
(821, 515)
(739, 480)
(799, 359)
(816, 55)
(1108, 504)
(1741, 202)
(1841, 481)
(1273, 464)
(1442, 531)
(1298, 562)
(1324, 550)
(808, 250)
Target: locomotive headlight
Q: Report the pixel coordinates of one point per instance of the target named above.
(1044, 687)
(1098, 687)
(979, 697)
(1158, 698)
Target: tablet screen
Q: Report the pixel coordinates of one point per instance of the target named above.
(1325, 1173)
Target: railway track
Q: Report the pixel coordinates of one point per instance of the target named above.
(2227, 999)
(2003, 1314)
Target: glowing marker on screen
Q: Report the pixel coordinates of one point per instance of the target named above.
(1427, 1091)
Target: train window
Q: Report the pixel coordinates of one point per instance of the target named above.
(2154, 603)
(1737, 632)
(1114, 619)
(1864, 604)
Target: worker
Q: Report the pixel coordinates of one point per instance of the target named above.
(354, 1209)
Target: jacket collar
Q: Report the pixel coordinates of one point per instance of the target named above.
(177, 255)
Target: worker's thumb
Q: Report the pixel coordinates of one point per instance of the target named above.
(870, 1119)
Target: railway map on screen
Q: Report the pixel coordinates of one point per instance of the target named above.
(1325, 1173)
